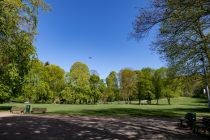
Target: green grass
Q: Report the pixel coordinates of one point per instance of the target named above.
(179, 107)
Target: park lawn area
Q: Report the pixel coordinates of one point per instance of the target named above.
(179, 107)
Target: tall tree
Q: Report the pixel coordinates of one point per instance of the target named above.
(157, 81)
(127, 84)
(146, 86)
(80, 81)
(141, 87)
(54, 76)
(37, 87)
(112, 85)
(171, 88)
(95, 86)
(18, 22)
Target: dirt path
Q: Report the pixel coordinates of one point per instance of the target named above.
(7, 114)
(33, 127)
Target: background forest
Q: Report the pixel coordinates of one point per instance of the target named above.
(48, 83)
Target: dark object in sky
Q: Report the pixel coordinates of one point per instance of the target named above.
(90, 57)
(47, 63)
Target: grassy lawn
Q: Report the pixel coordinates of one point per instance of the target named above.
(179, 107)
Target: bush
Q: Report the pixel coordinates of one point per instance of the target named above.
(4, 93)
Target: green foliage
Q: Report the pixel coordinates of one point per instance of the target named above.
(18, 21)
(112, 91)
(19, 99)
(68, 95)
(95, 88)
(43, 92)
(80, 81)
(128, 84)
(192, 85)
(172, 88)
(43, 82)
(140, 85)
(4, 93)
(54, 76)
(144, 85)
(49, 83)
(184, 34)
(157, 80)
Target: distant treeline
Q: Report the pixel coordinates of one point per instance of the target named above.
(47, 83)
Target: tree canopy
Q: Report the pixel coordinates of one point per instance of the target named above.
(18, 22)
(184, 32)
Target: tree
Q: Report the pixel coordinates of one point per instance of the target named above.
(171, 85)
(18, 21)
(112, 87)
(157, 81)
(140, 94)
(95, 85)
(127, 84)
(32, 80)
(42, 83)
(67, 95)
(54, 76)
(184, 37)
(80, 81)
(171, 88)
(146, 86)
(4, 93)
(190, 85)
(185, 23)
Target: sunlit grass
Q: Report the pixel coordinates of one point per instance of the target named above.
(178, 107)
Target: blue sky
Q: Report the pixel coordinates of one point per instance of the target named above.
(78, 29)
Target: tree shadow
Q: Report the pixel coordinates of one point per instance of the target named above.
(62, 127)
(200, 100)
(132, 112)
(196, 110)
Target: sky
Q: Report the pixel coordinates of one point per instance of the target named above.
(95, 32)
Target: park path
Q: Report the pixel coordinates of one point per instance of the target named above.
(7, 114)
(59, 127)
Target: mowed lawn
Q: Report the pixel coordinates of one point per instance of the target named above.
(179, 107)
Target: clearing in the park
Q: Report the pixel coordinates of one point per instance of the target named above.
(103, 121)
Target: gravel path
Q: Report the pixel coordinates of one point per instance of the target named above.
(56, 127)
(7, 114)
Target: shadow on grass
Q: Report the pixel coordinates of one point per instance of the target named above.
(196, 110)
(202, 101)
(131, 112)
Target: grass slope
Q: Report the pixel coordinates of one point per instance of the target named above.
(179, 107)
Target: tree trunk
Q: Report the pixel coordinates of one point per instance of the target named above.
(169, 100)
(205, 50)
(157, 101)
